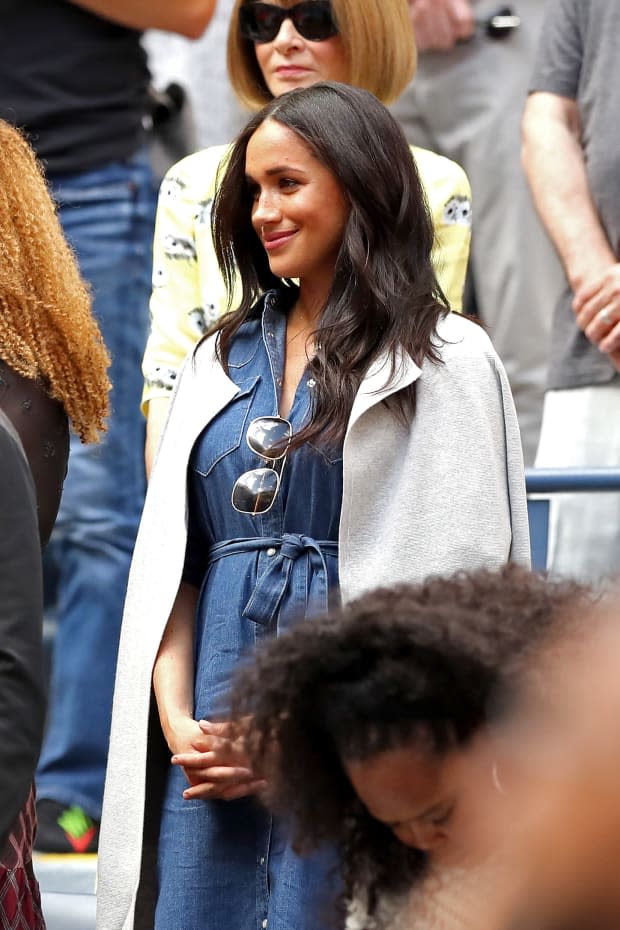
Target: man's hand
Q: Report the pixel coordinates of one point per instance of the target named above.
(439, 24)
(597, 309)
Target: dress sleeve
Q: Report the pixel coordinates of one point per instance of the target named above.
(449, 198)
(197, 545)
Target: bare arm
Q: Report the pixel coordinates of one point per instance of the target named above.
(440, 24)
(187, 17)
(215, 765)
(554, 164)
(173, 674)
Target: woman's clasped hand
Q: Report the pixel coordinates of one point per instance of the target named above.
(215, 761)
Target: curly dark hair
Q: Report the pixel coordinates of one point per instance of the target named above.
(384, 297)
(414, 664)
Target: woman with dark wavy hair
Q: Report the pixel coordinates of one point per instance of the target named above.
(342, 430)
(272, 48)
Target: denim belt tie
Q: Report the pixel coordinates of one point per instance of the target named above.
(273, 583)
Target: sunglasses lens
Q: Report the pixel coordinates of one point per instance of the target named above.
(254, 491)
(314, 21)
(260, 22)
(269, 437)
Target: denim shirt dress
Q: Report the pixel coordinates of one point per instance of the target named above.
(229, 863)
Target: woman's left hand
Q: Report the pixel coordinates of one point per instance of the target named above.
(219, 768)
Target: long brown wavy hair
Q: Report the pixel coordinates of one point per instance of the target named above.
(384, 297)
(47, 330)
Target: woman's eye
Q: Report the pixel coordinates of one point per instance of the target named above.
(288, 183)
(441, 818)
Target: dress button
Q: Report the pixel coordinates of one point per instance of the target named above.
(264, 923)
(261, 861)
(311, 382)
(271, 551)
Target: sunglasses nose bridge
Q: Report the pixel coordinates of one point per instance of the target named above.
(287, 33)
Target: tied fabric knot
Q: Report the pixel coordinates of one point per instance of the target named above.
(264, 604)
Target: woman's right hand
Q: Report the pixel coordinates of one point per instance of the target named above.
(214, 764)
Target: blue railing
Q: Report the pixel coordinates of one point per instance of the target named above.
(546, 481)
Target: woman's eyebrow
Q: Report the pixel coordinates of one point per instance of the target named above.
(279, 169)
(433, 809)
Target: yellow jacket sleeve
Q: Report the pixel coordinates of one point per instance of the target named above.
(449, 197)
(188, 291)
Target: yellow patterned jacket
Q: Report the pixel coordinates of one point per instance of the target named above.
(188, 291)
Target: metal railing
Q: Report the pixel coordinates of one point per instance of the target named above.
(543, 482)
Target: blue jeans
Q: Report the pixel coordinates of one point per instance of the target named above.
(108, 216)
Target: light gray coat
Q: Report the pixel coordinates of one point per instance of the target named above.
(445, 493)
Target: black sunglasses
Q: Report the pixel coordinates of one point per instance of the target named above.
(255, 491)
(313, 20)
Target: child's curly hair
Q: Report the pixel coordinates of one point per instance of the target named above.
(47, 329)
(415, 664)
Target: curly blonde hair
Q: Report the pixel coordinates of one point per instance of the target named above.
(47, 330)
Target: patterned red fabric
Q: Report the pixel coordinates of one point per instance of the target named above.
(20, 899)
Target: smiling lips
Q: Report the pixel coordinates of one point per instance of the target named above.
(273, 240)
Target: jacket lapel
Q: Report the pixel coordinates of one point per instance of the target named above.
(379, 382)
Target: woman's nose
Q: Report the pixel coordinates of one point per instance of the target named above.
(287, 37)
(426, 838)
(265, 210)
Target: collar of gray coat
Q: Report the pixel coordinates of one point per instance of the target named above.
(381, 379)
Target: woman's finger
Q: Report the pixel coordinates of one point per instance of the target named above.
(210, 792)
(196, 759)
(222, 775)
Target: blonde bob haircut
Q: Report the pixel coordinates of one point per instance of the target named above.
(47, 329)
(378, 40)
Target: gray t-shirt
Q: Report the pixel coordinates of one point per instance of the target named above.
(578, 58)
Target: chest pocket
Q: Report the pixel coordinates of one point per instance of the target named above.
(226, 432)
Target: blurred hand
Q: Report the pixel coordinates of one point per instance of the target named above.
(439, 24)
